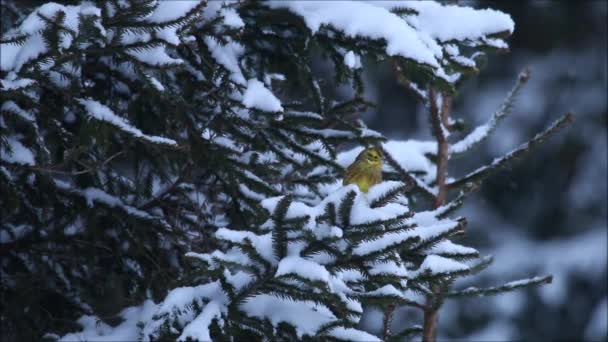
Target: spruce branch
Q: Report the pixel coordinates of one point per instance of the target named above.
(345, 209)
(447, 209)
(388, 196)
(457, 229)
(482, 132)
(489, 291)
(408, 179)
(482, 173)
(279, 234)
(481, 265)
(55, 169)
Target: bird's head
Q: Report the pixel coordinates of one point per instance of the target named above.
(372, 156)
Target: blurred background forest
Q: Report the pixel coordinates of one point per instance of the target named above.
(548, 213)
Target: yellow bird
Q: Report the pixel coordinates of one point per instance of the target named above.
(366, 170)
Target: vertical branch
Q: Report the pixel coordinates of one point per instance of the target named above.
(440, 106)
(386, 322)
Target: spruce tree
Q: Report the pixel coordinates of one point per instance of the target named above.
(187, 154)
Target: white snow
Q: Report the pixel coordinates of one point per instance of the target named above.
(198, 329)
(387, 240)
(228, 56)
(362, 19)
(450, 22)
(416, 36)
(154, 56)
(10, 83)
(12, 107)
(259, 97)
(239, 280)
(434, 265)
(262, 243)
(306, 317)
(350, 334)
(93, 195)
(450, 248)
(213, 9)
(96, 330)
(423, 231)
(478, 134)
(302, 267)
(352, 60)
(360, 214)
(377, 191)
(20, 154)
(13, 56)
(156, 83)
(388, 267)
(171, 10)
(386, 290)
(101, 112)
(182, 296)
(231, 18)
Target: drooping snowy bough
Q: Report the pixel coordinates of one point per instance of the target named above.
(308, 270)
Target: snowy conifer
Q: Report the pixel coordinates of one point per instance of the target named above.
(185, 153)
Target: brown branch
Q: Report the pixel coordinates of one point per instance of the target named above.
(386, 322)
(439, 118)
(439, 121)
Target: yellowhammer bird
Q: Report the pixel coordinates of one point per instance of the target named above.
(366, 170)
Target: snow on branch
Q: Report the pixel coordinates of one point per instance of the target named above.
(15, 55)
(18, 154)
(483, 172)
(480, 133)
(95, 195)
(415, 34)
(435, 265)
(449, 22)
(361, 19)
(103, 113)
(479, 292)
(170, 12)
(259, 97)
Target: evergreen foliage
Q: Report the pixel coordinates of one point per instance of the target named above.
(136, 134)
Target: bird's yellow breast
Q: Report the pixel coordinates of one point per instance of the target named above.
(363, 183)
